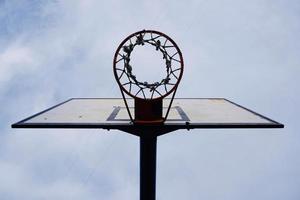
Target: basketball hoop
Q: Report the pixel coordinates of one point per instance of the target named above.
(148, 96)
(150, 116)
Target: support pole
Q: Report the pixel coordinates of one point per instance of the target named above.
(147, 167)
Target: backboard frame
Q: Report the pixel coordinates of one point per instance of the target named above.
(136, 128)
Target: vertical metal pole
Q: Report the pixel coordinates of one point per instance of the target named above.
(147, 167)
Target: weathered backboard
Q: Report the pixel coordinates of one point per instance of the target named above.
(111, 113)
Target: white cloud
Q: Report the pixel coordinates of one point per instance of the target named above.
(16, 59)
(242, 50)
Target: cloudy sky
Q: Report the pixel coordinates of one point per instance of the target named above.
(246, 51)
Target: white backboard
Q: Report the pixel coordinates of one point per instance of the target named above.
(111, 113)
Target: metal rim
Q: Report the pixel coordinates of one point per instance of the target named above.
(126, 69)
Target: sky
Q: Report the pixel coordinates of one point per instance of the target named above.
(246, 51)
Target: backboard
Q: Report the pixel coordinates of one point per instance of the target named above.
(110, 113)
